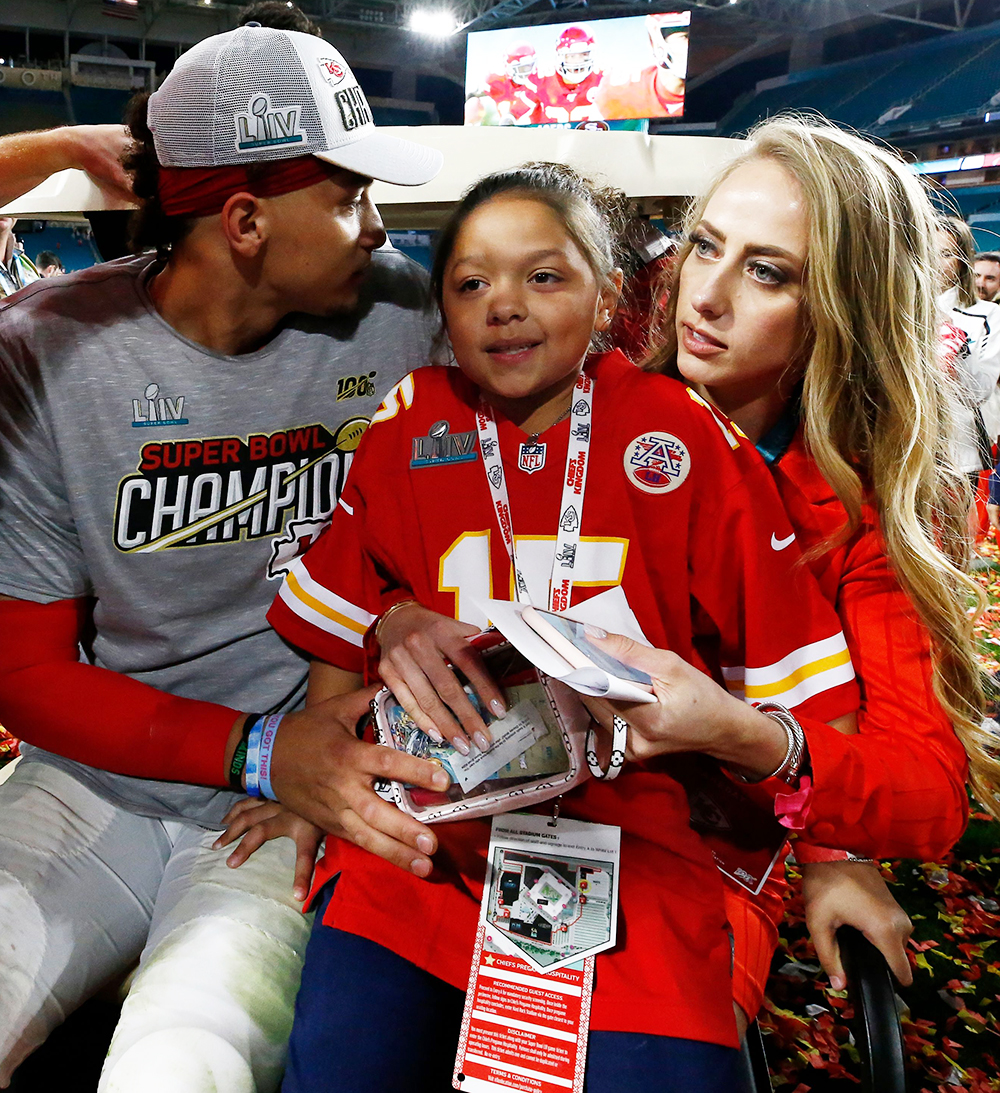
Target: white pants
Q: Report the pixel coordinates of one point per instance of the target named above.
(86, 888)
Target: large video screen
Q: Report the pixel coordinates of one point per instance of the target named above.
(578, 73)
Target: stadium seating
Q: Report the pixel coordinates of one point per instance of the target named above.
(22, 109)
(944, 80)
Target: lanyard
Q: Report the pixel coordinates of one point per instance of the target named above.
(571, 505)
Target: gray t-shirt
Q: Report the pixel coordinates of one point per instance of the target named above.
(173, 484)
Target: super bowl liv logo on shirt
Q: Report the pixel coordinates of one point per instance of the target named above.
(222, 489)
(156, 409)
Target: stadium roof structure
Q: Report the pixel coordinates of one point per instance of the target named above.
(729, 33)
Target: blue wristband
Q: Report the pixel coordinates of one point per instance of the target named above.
(253, 757)
(268, 736)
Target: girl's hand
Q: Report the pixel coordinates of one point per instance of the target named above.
(260, 821)
(692, 713)
(417, 647)
(846, 893)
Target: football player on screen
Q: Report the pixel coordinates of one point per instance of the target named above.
(568, 94)
(658, 90)
(511, 95)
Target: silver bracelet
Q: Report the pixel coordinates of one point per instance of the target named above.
(789, 767)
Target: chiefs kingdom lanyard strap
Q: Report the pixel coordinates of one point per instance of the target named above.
(570, 507)
(567, 534)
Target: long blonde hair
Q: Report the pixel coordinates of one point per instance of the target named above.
(877, 406)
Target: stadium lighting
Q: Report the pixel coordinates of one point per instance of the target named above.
(433, 23)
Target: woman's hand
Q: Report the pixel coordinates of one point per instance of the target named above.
(324, 773)
(260, 821)
(846, 893)
(692, 712)
(417, 647)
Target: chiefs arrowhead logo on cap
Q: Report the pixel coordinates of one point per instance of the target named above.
(332, 70)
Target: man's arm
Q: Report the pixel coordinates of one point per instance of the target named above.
(27, 159)
(50, 698)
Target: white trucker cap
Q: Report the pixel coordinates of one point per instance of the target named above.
(254, 95)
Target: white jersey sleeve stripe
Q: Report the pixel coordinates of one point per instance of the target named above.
(805, 672)
(309, 590)
(314, 613)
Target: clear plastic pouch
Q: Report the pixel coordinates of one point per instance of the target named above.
(544, 715)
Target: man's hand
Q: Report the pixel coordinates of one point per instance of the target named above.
(845, 893)
(417, 647)
(260, 821)
(324, 773)
(27, 159)
(98, 150)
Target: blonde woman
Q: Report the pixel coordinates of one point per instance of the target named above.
(803, 306)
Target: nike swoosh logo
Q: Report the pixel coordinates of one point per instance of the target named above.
(780, 544)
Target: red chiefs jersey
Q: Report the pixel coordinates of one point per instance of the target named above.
(639, 98)
(561, 101)
(901, 779)
(520, 97)
(682, 514)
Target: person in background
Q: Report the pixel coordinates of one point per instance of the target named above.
(987, 275)
(49, 264)
(16, 268)
(970, 335)
(278, 15)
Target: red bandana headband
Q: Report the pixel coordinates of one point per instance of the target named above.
(202, 191)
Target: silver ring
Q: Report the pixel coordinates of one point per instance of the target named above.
(619, 741)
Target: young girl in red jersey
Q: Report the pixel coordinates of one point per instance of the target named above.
(675, 509)
(803, 306)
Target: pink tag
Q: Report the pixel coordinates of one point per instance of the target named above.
(792, 809)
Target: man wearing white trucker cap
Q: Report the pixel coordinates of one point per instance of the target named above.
(173, 432)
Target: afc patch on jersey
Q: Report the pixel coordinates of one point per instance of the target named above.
(656, 462)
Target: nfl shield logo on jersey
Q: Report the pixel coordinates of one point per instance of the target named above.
(531, 457)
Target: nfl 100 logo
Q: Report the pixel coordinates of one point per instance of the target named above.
(531, 457)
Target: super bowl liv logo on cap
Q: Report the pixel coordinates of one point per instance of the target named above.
(264, 127)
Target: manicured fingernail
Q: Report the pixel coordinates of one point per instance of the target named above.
(421, 867)
(435, 736)
(460, 744)
(425, 843)
(440, 779)
(482, 741)
(299, 894)
(837, 982)
(498, 708)
(594, 631)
